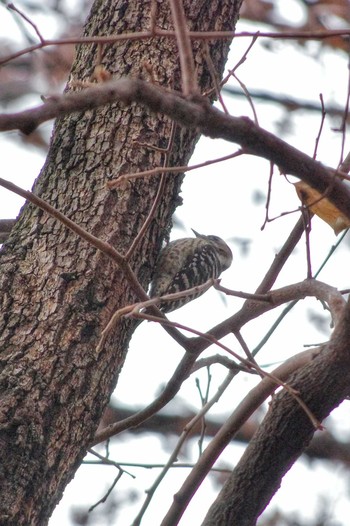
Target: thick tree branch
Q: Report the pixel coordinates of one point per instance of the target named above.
(323, 384)
(226, 433)
(196, 113)
(315, 288)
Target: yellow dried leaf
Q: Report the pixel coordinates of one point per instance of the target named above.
(322, 207)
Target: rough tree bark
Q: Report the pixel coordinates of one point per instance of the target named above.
(57, 291)
(285, 432)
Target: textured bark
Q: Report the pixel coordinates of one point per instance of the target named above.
(58, 292)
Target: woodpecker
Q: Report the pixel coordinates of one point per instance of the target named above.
(186, 263)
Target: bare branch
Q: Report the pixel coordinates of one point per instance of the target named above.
(232, 425)
(195, 35)
(188, 75)
(196, 346)
(170, 169)
(158, 197)
(27, 19)
(290, 104)
(323, 384)
(173, 457)
(180, 374)
(208, 120)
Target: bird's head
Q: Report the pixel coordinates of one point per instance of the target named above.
(223, 250)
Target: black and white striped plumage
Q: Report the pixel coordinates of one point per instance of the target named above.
(186, 263)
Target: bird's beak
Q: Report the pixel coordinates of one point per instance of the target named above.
(196, 233)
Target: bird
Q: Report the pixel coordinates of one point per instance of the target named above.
(186, 263)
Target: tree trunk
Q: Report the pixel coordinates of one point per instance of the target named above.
(57, 291)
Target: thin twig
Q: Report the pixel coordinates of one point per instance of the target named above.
(27, 19)
(227, 432)
(323, 116)
(307, 216)
(181, 440)
(274, 326)
(153, 16)
(93, 240)
(104, 247)
(291, 104)
(248, 97)
(246, 349)
(330, 253)
(108, 461)
(204, 400)
(247, 363)
(247, 313)
(345, 116)
(220, 359)
(195, 35)
(292, 304)
(134, 309)
(188, 72)
(268, 198)
(240, 62)
(105, 497)
(158, 197)
(239, 294)
(181, 373)
(205, 118)
(214, 76)
(171, 169)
